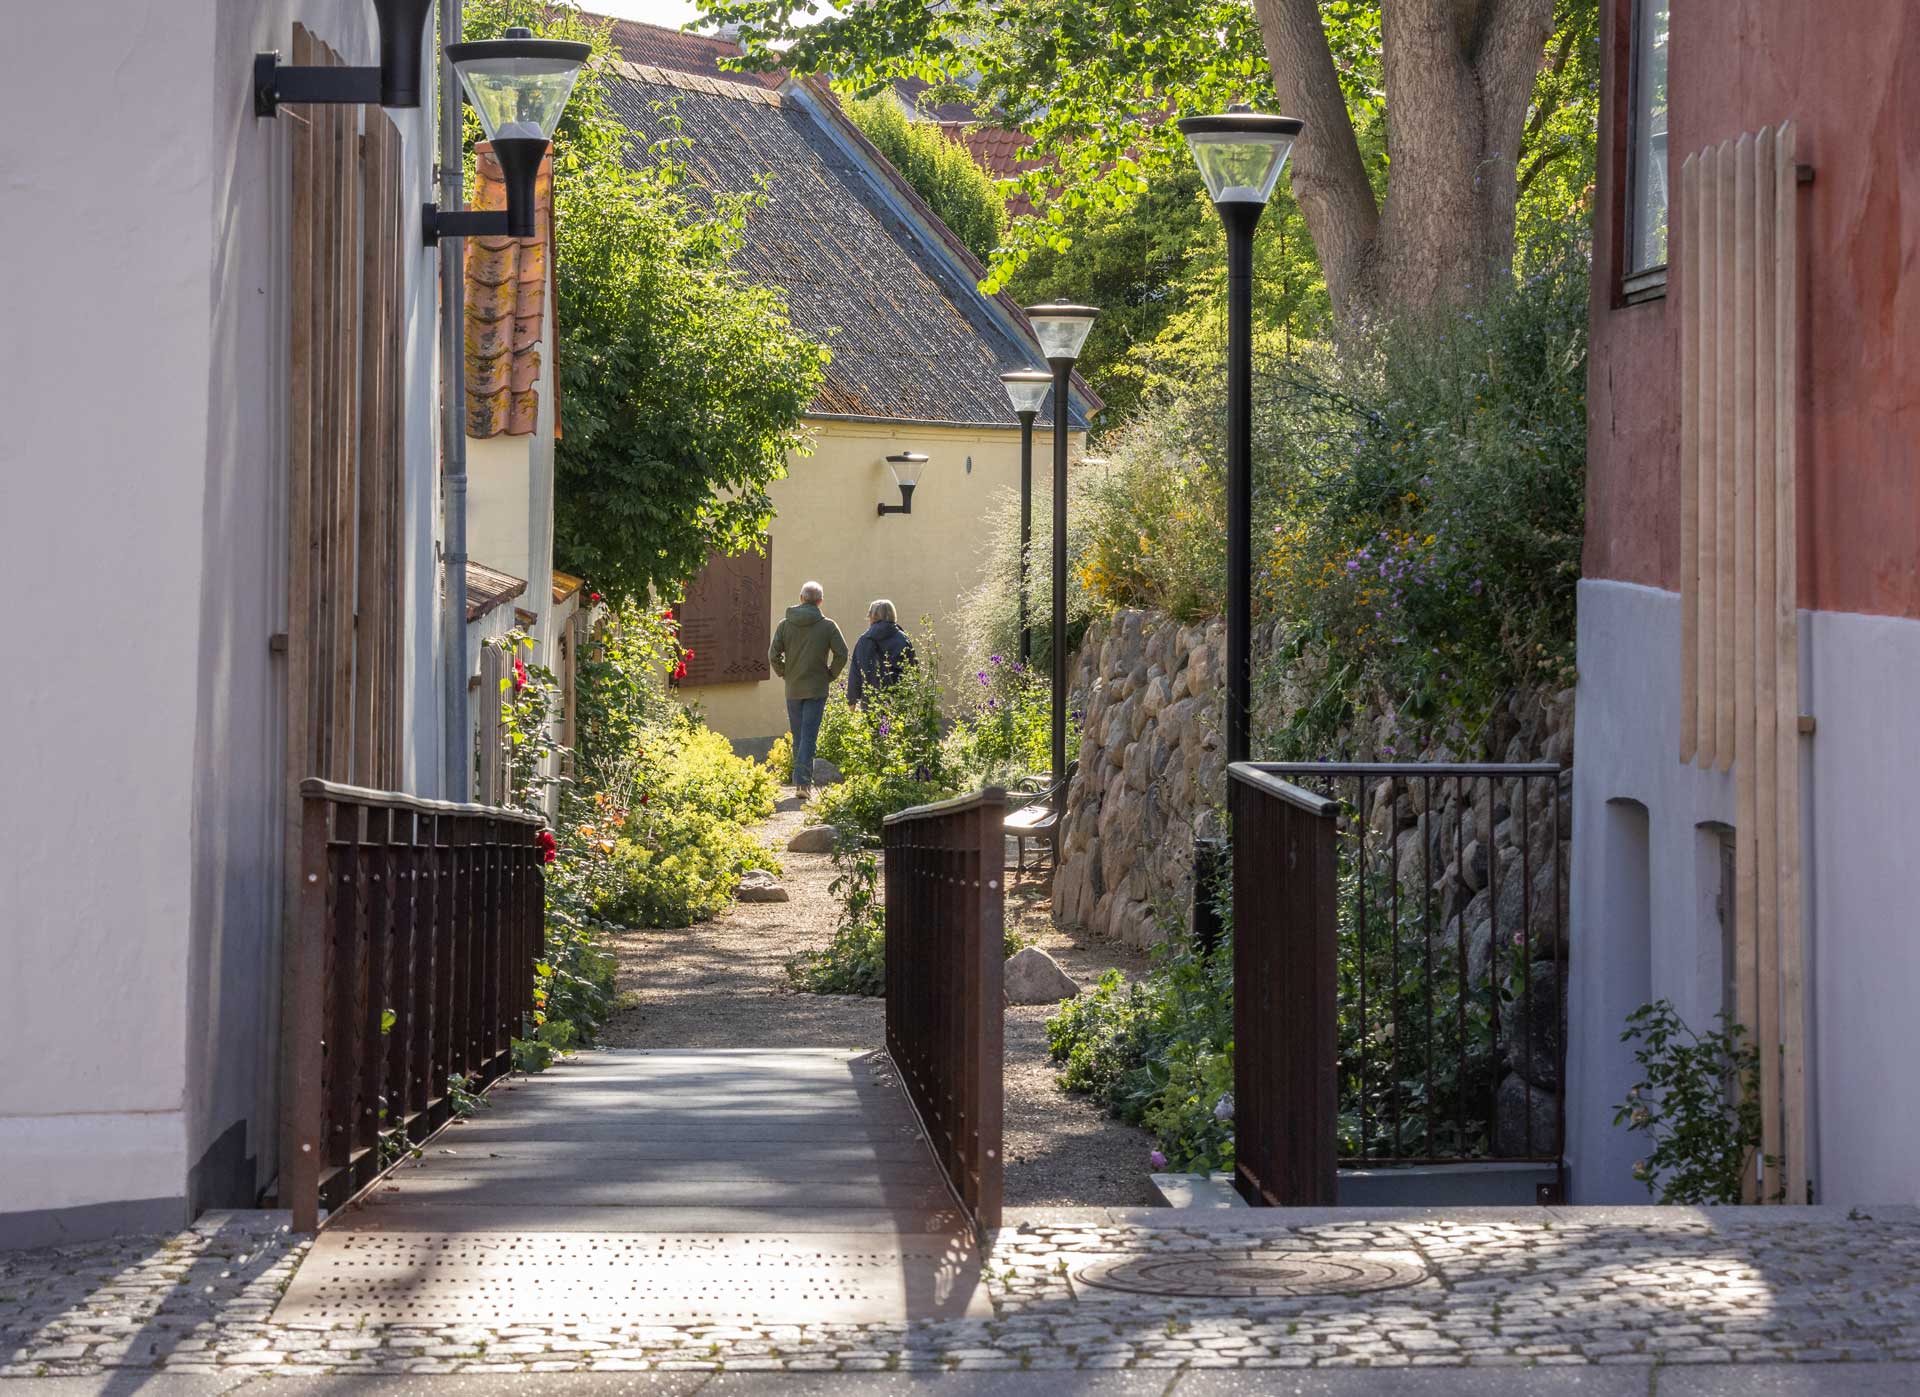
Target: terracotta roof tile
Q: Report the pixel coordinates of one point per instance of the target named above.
(506, 293)
(489, 588)
(678, 51)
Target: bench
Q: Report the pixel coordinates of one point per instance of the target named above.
(1039, 820)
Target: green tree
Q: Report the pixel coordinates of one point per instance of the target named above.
(942, 172)
(681, 385)
(1453, 87)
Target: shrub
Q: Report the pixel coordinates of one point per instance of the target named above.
(673, 866)
(1006, 734)
(1159, 1052)
(990, 613)
(858, 807)
(1704, 1145)
(941, 171)
(854, 961)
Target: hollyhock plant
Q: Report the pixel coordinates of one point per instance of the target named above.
(549, 850)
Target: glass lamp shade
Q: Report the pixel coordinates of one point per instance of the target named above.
(1027, 389)
(1061, 328)
(519, 85)
(906, 467)
(1241, 152)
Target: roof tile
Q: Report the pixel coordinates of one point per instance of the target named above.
(506, 298)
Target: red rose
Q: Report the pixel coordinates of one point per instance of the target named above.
(519, 673)
(667, 615)
(593, 596)
(548, 850)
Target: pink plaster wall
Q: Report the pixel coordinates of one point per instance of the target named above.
(1848, 73)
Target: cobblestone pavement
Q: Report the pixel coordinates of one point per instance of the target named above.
(1543, 1287)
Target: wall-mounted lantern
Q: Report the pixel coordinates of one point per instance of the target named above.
(519, 86)
(906, 468)
(394, 83)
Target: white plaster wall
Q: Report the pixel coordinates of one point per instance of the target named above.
(143, 471)
(1860, 768)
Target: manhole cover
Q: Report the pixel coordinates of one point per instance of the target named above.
(1241, 1274)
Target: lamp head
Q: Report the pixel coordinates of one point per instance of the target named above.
(1240, 152)
(519, 85)
(1061, 327)
(1027, 389)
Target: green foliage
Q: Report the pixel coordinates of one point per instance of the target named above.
(1091, 80)
(940, 170)
(858, 806)
(990, 613)
(1006, 733)
(681, 383)
(889, 749)
(854, 961)
(1704, 1145)
(1427, 517)
(1159, 1052)
(620, 689)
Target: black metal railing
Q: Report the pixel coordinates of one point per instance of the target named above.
(1449, 977)
(409, 964)
(945, 947)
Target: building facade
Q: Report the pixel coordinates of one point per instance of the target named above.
(1749, 618)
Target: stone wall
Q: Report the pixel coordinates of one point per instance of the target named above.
(1152, 774)
(1152, 779)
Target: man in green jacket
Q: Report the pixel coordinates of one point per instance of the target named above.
(808, 652)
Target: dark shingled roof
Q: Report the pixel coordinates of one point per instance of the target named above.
(912, 337)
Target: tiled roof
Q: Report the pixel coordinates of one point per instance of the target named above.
(678, 51)
(912, 338)
(488, 588)
(506, 304)
(997, 151)
(912, 93)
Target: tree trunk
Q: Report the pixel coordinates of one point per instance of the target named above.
(1459, 75)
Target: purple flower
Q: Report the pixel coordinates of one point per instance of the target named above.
(883, 729)
(1156, 1160)
(993, 659)
(983, 676)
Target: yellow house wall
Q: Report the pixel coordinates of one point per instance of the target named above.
(825, 529)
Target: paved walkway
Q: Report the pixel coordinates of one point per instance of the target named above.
(1760, 1301)
(661, 1187)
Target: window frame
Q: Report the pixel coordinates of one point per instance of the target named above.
(1640, 283)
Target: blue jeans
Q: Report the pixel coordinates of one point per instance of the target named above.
(803, 716)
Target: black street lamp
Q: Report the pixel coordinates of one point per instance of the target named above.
(519, 86)
(1027, 390)
(1062, 328)
(1240, 154)
(394, 82)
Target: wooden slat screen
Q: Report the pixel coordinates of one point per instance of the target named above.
(1737, 246)
(727, 619)
(346, 443)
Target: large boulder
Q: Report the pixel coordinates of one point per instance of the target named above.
(758, 885)
(814, 839)
(1034, 977)
(1524, 1119)
(825, 773)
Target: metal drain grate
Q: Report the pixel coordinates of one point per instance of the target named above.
(548, 1278)
(1238, 1273)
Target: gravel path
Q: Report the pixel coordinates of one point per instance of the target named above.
(724, 984)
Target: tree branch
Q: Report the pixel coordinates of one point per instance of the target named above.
(1329, 178)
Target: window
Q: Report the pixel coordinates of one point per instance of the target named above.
(1646, 242)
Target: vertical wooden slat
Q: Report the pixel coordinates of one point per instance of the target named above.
(1687, 206)
(1705, 564)
(373, 586)
(1745, 898)
(325, 416)
(1787, 633)
(1764, 818)
(346, 310)
(1725, 412)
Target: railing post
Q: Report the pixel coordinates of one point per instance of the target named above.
(1286, 1039)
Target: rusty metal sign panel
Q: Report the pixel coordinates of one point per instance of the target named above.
(635, 1278)
(727, 619)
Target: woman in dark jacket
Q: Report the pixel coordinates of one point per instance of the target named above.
(880, 655)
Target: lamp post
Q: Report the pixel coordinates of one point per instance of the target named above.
(519, 85)
(1240, 154)
(1062, 328)
(1027, 390)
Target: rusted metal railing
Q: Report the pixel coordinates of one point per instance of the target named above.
(1285, 953)
(408, 966)
(1450, 887)
(945, 947)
